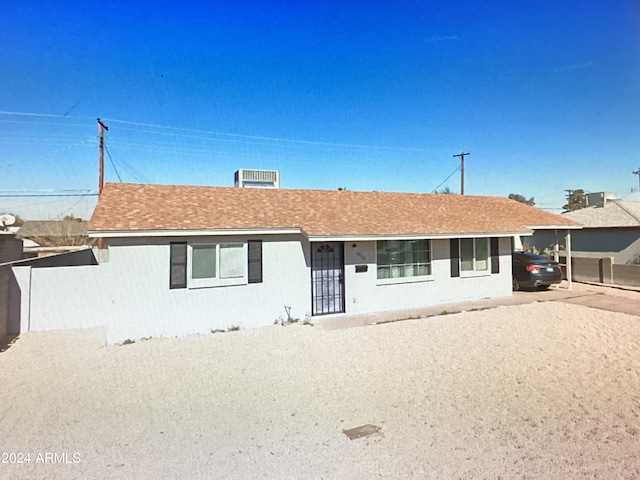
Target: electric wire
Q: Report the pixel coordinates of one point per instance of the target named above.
(266, 138)
(113, 164)
(444, 181)
(45, 195)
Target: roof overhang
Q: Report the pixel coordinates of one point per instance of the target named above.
(193, 233)
(294, 231)
(585, 227)
(444, 236)
(555, 227)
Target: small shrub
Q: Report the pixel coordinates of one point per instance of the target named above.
(217, 330)
(444, 312)
(128, 341)
(233, 328)
(307, 322)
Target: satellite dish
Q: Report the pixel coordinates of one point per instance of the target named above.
(7, 220)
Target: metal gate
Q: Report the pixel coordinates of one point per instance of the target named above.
(327, 277)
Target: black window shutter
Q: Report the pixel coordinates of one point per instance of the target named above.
(495, 255)
(178, 265)
(254, 248)
(454, 248)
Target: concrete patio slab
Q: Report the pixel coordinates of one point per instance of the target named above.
(332, 322)
(606, 302)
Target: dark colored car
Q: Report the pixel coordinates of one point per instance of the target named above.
(534, 271)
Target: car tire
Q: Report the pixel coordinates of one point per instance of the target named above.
(515, 284)
(543, 287)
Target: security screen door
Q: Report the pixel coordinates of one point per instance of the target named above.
(327, 277)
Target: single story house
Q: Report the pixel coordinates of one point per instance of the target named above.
(609, 230)
(178, 260)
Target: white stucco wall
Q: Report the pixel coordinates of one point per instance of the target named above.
(366, 294)
(130, 295)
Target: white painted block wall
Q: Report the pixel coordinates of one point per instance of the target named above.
(130, 293)
(364, 293)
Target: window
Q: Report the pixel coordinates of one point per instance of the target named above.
(474, 254)
(403, 258)
(203, 261)
(178, 265)
(217, 264)
(232, 261)
(212, 265)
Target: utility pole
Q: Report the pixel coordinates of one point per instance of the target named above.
(461, 155)
(637, 172)
(569, 199)
(101, 128)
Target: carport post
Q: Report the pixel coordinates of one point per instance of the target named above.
(556, 256)
(568, 253)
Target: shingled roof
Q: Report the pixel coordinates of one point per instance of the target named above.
(615, 213)
(136, 208)
(53, 228)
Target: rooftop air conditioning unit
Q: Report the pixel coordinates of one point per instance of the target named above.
(257, 179)
(599, 199)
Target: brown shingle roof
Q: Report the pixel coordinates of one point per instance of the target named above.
(134, 207)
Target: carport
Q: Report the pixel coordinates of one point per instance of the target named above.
(544, 236)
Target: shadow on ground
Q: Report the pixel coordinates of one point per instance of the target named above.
(7, 342)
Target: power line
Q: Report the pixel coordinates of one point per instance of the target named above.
(66, 190)
(113, 164)
(230, 137)
(44, 195)
(129, 168)
(28, 122)
(28, 114)
(72, 207)
(37, 204)
(443, 182)
(265, 138)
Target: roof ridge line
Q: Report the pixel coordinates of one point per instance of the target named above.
(633, 215)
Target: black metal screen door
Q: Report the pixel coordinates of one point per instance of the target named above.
(327, 277)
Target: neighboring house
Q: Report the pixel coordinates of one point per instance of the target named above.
(178, 260)
(10, 245)
(612, 230)
(47, 237)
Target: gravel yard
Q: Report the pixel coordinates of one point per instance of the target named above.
(543, 390)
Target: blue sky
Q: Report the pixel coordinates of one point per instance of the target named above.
(365, 95)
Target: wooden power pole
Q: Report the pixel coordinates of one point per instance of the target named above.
(101, 128)
(461, 155)
(637, 172)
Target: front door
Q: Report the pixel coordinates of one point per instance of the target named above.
(327, 277)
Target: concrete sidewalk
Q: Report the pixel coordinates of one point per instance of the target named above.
(606, 302)
(332, 322)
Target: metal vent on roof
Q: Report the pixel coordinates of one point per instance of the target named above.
(257, 178)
